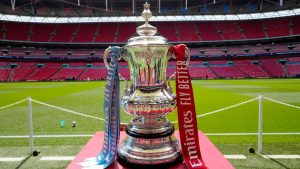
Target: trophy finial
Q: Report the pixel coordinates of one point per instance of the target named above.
(146, 29)
(146, 5)
(147, 13)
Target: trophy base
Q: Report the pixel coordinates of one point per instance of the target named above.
(149, 151)
(150, 142)
(123, 161)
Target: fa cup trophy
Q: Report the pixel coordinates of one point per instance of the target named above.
(149, 98)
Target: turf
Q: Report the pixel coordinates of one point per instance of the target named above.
(87, 98)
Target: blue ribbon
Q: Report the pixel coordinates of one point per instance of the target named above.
(111, 111)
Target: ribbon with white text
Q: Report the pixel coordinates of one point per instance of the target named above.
(187, 119)
(111, 111)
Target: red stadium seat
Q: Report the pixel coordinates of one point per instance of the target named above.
(230, 30)
(208, 31)
(22, 30)
(65, 32)
(42, 32)
(187, 31)
(167, 29)
(106, 32)
(86, 33)
(252, 29)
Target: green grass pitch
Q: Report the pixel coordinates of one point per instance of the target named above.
(87, 98)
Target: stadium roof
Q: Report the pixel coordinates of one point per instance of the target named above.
(86, 11)
(41, 19)
(100, 8)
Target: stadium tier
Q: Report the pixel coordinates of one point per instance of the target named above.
(215, 69)
(195, 51)
(93, 74)
(173, 31)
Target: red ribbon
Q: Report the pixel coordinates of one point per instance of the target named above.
(187, 119)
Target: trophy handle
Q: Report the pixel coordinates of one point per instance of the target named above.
(105, 56)
(171, 54)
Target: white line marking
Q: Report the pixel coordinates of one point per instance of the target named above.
(279, 102)
(70, 111)
(249, 134)
(10, 159)
(235, 156)
(282, 156)
(12, 104)
(49, 136)
(57, 158)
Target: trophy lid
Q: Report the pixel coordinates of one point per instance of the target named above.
(146, 32)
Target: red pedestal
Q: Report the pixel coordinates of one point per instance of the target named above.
(212, 157)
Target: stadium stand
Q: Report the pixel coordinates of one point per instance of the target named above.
(208, 31)
(65, 33)
(202, 72)
(67, 74)
(272, 66)
(294, 59)
(125, 31)
(252, 30)
(293, 69)
(77, 64)
(2, 31)
(237, 68)
(230, 30)
(42, 32)
(296, 25)
(173, 31)
(86, 33)
(277, 27)
(106, 33)
(250, 69)
(4, 73)
(168, 30)
(3, 64)
(227, 72)
(94, 74)
(125, 73)
(255, 60)
(187, 31)
(23, 30)
(21, 73)
(42, 74)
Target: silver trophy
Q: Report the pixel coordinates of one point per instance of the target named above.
(148, 96)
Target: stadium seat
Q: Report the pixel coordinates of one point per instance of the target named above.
(125, 31)
(278, 27)
(252, 29)
(230, 30)
(208, 31)
(65, 32)
(187, 31)
(4, 73)
(106, 33)
(42, 32)
(23, 30)
(86, 33)
(167, 29)
(94, 74)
